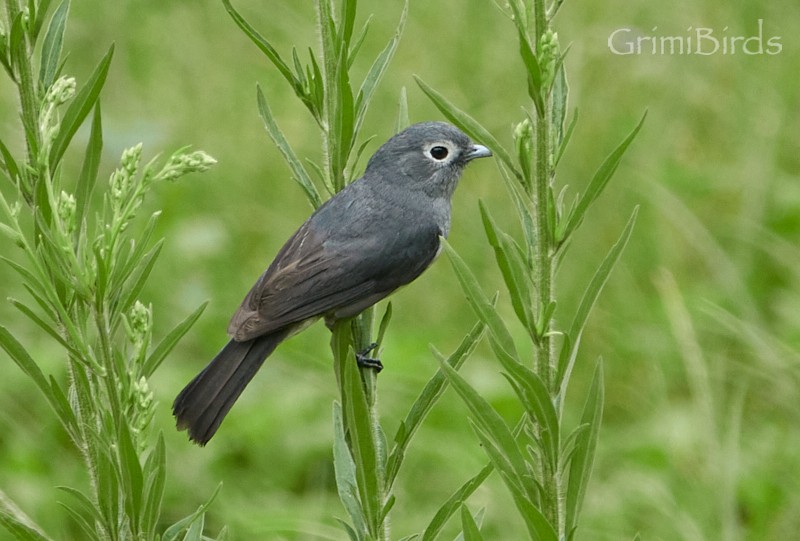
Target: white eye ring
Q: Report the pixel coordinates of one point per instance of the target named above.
(440, 152)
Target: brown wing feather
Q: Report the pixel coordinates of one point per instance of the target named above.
(306, 280)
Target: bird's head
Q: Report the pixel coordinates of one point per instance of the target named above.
(429, 156)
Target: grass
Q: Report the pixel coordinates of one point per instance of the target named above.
(721, 139)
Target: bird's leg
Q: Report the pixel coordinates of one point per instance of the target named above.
(363, 359)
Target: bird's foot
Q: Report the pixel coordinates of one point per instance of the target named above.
(363, 359)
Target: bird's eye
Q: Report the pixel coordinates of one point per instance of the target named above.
(439, 152)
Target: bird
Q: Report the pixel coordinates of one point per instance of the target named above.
(377, 234)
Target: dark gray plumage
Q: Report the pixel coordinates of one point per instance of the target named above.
(379, 233)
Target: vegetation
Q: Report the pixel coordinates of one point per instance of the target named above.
(696, 326)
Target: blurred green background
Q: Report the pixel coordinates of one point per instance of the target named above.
(699, 326)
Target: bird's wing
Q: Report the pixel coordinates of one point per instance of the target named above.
(314, 274)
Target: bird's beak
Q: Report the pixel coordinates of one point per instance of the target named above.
(478, 151)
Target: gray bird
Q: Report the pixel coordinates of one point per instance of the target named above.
(379, 233)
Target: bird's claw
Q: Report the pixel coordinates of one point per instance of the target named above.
(363, 359)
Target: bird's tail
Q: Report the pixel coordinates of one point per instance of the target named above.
(203, 403)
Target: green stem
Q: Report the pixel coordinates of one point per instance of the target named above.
(27, 92)
(361, 329)
(545, 358)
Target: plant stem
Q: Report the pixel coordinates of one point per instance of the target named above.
(361, 329)
(27, 93)
(545, 358)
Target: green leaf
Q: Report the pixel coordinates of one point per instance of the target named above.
(8, 164)
(377, 70)
(131, 471)
(566, 138)
(344, 122)
(359, 41)
(21, 357)
(108, 489)
(38, 14)
(265, 47)
(596, 185)
(523, 206)
(580, 467)
(170, 341)
(532, 67)
(90, 168)
(384, 325)
(18, 524)
(44, 325)
(588, 300)
(135, 282)
(156, 471)
(195, 531)
(299, 172)
(513, 269)
(426, 400)
(558, 114)
(471, 531)
(489, 421)
(468, 125)
(131, 255)
(172, 533)
(403, 121)
(85, 504)
(88, 529)
(82, 103)
(454, 503)
(53, 43)
(480, 304)
(348, 22)
(345, 471)
(61, 406)
(538, 526)
(534, 396)
(362, 444)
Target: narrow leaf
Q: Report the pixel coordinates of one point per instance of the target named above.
(156, 467)
(82, 103)
(264, 46)
(580, 467)
(299, 172)
(588, 300)
(489, 421)
(468, 125)
(597, 184)
(44, 325)
(426, 400)
(402, 112)
(21, 357)
(538, 526)
(533, 394)
(53, 43)
(90, 168)
(17, 523)
(471, 531)
(170, 341)
(172, 533)
(131, 473)
(362, 444)
(377, 70)
(511, 267)
(135, 282)
(8, 163)
(345, 471)
(454, 503)
(480, 304)
(567, 137)
(38, 12)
